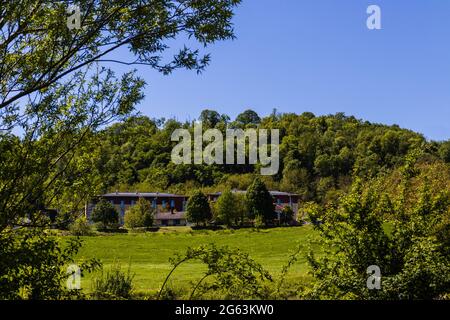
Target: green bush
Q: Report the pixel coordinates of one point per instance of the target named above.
(259, 222)
(80, 227)
(139, 215)
(113, 284)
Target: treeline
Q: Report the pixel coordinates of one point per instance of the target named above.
(319, 155)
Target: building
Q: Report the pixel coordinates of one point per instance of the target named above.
(169, 207)
(280, 199)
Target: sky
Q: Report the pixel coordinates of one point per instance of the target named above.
(319, 56)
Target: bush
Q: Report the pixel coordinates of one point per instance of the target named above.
(80, 227)
(259, 222)
(33, 265)
(105, 214)
(113, 284)
(287, 215)
(140, 215)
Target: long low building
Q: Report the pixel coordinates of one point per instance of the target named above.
(280, 199)
(169, 208)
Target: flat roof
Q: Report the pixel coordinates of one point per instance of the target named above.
(272, 192)
(143, 194)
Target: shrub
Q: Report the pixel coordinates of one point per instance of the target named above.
(33, 265)
(113, 284)
(287, 215)
(259, 222)
(139, 215)
(80, 227)
(231, 274)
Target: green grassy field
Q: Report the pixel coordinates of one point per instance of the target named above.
(148, 254)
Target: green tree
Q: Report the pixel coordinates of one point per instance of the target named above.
(248, 117)
(210, 118)
(198, 209)
(57, 91)
(260, 202)
(287, 215)
(226, 208)
(410, 253)
(105, 214)
(444, 151)
(43, 265)
(241, 208)
(139, 215)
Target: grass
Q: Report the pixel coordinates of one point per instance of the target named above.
(147, 254)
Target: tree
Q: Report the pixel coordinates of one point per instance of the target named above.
(198, 209)
(444, 151)
(105, 214)
(42, 271)
(139, 215)
(210, 118)
(411, 254)
(260, 202)
(248, 117)
(226, 208)
(229, 273)
(241, 208)
(287, 215)
(57, 92)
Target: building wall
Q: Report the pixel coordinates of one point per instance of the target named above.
(161, 204)
(171, 222)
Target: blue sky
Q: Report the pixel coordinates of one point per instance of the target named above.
(319, 56)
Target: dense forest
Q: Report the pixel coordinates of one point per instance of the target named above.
(319, 155)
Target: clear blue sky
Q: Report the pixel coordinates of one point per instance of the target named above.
(319, 56)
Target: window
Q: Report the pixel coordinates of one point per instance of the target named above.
(154, 203)
(176, 222)
(172, 203)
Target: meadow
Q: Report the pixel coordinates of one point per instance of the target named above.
(147, 254)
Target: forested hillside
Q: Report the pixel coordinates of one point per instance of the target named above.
(319, 155)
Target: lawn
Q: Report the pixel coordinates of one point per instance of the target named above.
(147, 254)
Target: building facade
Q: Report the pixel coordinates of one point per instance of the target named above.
(280, 199)
(169, 208)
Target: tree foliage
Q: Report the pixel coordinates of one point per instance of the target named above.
(57, 92)
(105, 214)
(230, 274)
(198, 209)
(260, 202)
(228, 208)
(401, 232)
(33, 265)
(139, 215)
